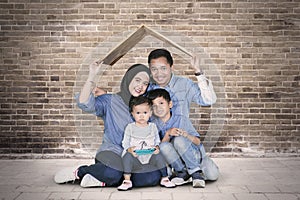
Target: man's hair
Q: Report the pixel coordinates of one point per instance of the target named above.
(157, 53)
(153, 94)
(135, 101)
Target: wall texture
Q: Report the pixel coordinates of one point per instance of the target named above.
(250, 49)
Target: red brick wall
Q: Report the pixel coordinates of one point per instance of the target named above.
(251, 51)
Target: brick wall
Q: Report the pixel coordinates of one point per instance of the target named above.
(250, 49)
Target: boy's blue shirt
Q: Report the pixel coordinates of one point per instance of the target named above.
(176, 121)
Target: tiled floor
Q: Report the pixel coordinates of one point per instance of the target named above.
(240, 179)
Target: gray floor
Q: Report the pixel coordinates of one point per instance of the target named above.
(241, 179)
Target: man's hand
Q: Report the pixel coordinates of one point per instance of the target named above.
(195, 62)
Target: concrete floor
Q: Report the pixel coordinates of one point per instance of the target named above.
(240, 179)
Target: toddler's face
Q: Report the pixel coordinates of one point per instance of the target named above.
(141, 113)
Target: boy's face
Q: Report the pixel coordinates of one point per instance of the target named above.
(141, 113)
(161, 71)
(161, 108)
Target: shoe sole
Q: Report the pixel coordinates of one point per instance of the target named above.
(167, 186)
(86, 182)
(65, 175)
(124, 190)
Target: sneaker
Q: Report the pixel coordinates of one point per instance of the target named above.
(90, 181)
(126, 185)
(165, 182)
(181, 178)
(66, 175)
(198, 180)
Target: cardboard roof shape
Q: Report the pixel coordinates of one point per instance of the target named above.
(118, 52)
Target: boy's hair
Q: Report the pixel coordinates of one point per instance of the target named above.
(135, 101)
(157, 53)
(153, 94)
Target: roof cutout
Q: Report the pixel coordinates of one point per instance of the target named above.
(117, 53)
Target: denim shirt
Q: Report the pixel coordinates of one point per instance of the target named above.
(114, 112)
(184, 91)
(176, 121)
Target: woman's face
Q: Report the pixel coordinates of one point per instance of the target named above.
(139, 84)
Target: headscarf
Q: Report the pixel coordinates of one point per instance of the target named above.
(127, 78)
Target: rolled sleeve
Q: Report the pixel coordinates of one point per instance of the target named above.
(88, 106)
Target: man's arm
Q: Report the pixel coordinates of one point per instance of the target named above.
(208, 94)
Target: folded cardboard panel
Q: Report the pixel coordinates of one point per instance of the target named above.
(119, 51)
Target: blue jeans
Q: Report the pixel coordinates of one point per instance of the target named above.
(182, 154)
(108, 168)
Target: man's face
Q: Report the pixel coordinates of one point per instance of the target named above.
(161, 71)
(161, 108)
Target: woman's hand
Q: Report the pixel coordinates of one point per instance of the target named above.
(95, 69)
(98, 91)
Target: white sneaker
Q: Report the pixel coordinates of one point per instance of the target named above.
(198, 183)
(165, 182)
(180, 181)
(126, 185)
(90, 181)
(66, 175)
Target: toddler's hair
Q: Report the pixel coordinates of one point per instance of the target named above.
(135, 101)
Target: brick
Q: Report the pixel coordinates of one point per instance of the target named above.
(253, 46)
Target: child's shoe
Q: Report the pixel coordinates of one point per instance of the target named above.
(90, 181)
(198, 180)
(165, 182)
(66, 175)
(126, 185)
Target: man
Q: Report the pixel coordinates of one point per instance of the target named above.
(183, 92)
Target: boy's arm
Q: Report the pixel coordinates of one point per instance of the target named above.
(194, 139)
(169, 134)
(180, 132)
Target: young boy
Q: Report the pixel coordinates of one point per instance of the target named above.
(180, 145)
(142, 135)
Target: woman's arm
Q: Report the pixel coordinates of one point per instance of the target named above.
(207, 92)
(90, 83)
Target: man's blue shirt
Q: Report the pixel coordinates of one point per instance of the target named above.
(183, 92)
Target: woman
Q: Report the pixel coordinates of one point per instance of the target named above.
(113, 109)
